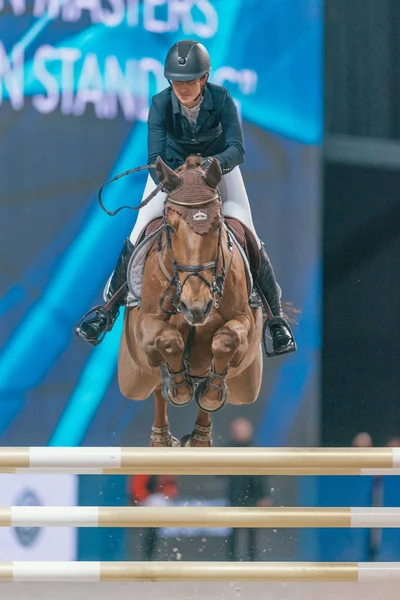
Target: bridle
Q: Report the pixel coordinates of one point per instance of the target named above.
(217, 283)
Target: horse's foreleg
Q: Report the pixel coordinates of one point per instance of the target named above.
(164, 347)
(160, 433)
(231, 343)
(229, 346)
(201, 434)
(160, 409)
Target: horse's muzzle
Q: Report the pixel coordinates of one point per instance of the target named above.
(196, 314)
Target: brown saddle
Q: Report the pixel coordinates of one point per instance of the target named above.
(243, 235)
(248, 242)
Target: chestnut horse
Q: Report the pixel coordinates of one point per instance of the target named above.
(194, 335)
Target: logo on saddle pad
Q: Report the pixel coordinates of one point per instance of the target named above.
(200, 216)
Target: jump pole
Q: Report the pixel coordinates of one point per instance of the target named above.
(201, 461)
(265, 517)
(197, 571)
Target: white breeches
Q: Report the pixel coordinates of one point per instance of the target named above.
(235, 203)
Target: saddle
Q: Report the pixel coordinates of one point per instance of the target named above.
(248, 242)
(241, 235)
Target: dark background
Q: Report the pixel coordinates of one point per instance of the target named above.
(361, 248)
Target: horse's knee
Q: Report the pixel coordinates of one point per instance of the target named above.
(225, 343)
(169, 342)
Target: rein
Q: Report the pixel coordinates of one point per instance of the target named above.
(143, 203)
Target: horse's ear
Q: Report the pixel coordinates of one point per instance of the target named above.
(213, 174)
(167, 176)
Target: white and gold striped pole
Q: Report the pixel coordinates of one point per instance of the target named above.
(198, 571)
(267, 517)
(202, 461)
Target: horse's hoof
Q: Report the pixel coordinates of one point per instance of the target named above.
(177, 393)
(178, 401)
(211, 405)
(186, 441)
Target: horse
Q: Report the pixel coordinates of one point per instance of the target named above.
(194, 335)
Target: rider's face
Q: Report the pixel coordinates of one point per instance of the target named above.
(187, 91)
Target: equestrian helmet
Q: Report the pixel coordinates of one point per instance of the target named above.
(187, 60)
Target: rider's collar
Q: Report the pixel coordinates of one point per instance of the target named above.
(206, 104)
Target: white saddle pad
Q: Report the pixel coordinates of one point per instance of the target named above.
(136, 267)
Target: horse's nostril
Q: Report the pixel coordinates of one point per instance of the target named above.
(196, 313)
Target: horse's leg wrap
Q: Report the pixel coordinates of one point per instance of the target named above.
(176, 388)
(229, 346)
(161, 436)
(164, 347)
(171, 387)
(200, 434)
(215, 386)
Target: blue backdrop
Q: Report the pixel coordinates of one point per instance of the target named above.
(75, 84)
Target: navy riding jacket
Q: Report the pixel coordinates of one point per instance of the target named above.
(218, 131)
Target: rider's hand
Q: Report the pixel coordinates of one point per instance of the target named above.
(206, 161)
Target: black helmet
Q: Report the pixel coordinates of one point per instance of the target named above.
(187, 60)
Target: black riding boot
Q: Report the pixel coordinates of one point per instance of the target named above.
(94, 328)
(282, 337)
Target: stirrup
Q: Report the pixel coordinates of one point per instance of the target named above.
(95, 311)
(268, 323)
(162, 435)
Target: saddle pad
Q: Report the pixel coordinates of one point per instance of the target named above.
(136, 263)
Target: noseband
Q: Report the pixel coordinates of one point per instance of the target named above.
(217, 283)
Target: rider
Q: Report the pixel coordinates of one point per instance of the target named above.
(193, 116)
